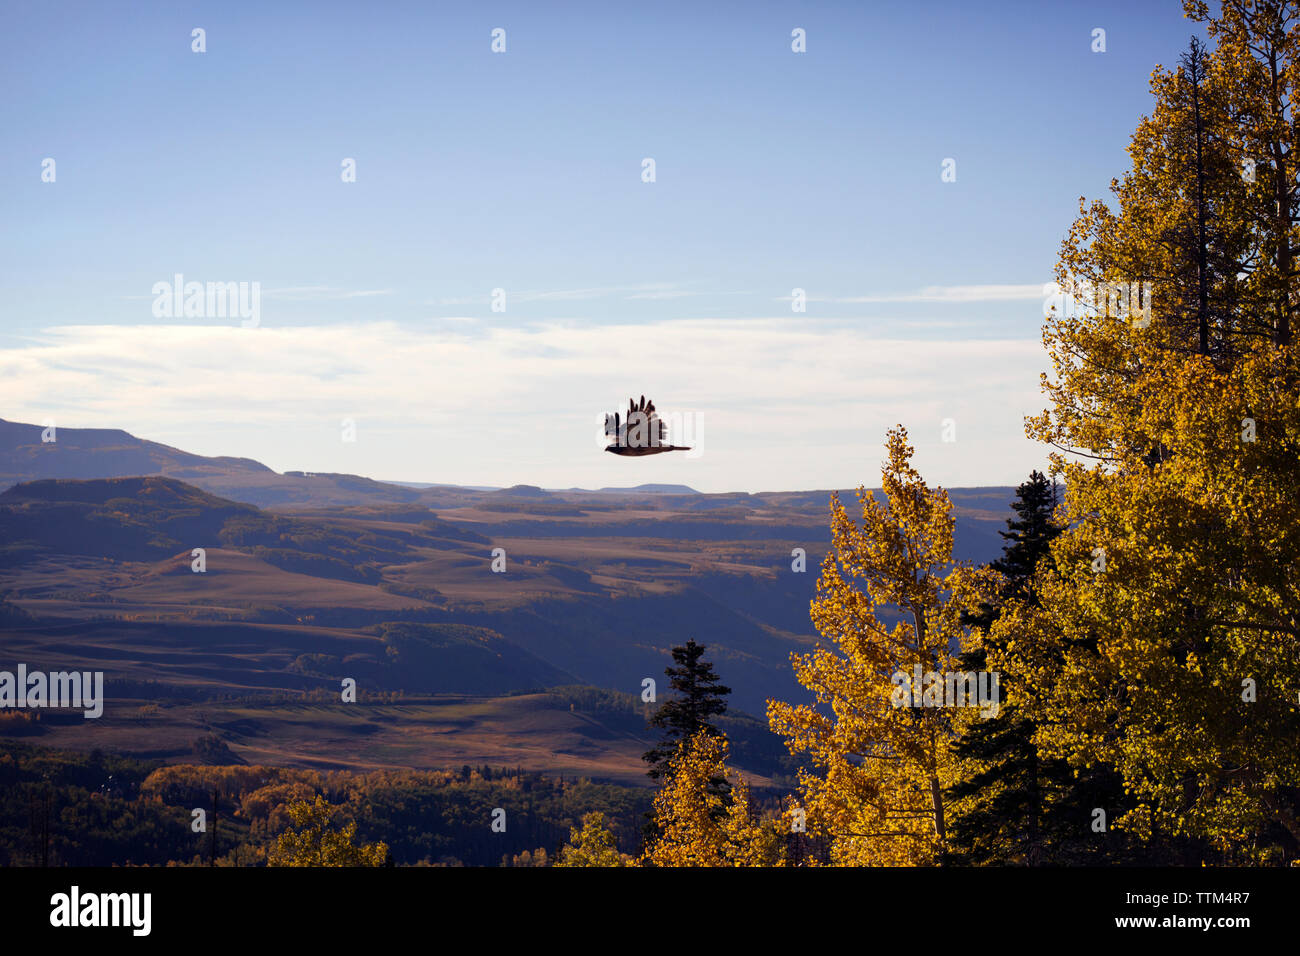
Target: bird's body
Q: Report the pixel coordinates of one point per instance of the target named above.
(633, 452)
(643, 433)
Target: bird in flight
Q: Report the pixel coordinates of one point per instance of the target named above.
(643, 433)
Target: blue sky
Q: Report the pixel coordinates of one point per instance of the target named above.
(522, 171)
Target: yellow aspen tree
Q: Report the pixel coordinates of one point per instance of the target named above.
(696, 826)
(880, 761)
(1167, 642)
(311, 841)
(591, 845)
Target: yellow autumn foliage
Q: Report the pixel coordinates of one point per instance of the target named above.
(1167, 641)
(696, 826)
(875, 789)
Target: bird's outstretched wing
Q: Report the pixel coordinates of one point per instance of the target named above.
(645, 429)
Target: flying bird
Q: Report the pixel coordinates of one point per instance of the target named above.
(643, 433)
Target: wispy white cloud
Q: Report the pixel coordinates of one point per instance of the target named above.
(654, 291)
(783, 403)
(958, 294)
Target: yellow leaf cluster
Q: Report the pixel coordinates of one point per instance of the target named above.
(697, 826)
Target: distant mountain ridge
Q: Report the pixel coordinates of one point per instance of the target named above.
(648, 489)
(681, 512)
(651, 489)
(91, 453)
(25, 456)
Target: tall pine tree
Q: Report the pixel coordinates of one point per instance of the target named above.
(998, 809)
(1014, 806)
(702, 697)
